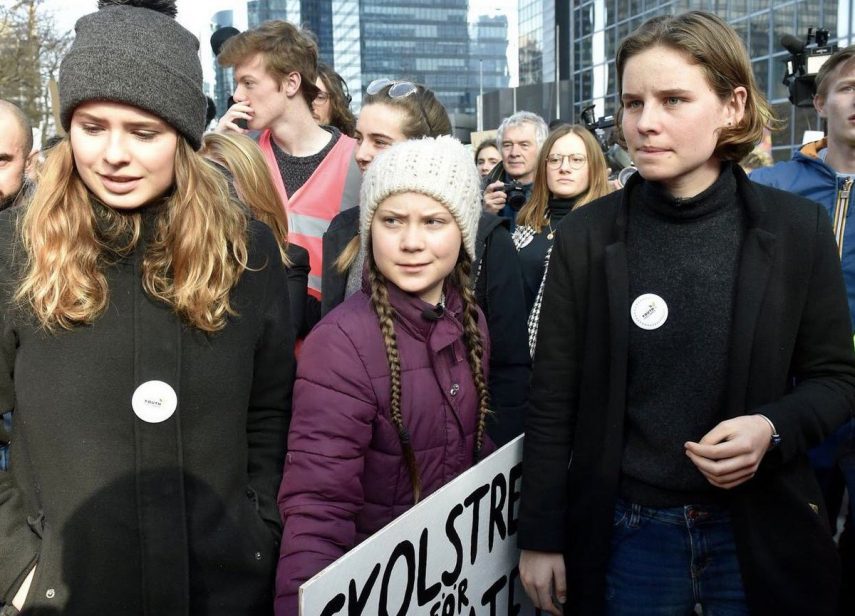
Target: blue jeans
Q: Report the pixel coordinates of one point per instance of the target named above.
(666, 561)
(4, 450)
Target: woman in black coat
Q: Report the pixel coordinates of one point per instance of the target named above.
(694, 344)
(145, 349)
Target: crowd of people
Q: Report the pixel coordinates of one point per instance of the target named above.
(229, 356)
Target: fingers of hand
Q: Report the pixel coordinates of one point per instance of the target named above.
(726, 473)
(540, 576)
(727, 449)
(722, 432)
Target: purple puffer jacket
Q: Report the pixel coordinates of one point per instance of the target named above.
(345, 476)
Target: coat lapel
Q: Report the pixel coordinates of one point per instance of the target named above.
(617, 281)
(755, 266)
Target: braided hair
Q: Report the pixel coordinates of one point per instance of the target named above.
(475, 351)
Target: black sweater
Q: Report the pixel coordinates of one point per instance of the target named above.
(685, 251)
(533, 254)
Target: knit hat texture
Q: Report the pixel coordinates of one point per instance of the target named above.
(441, 168)
(131, 52)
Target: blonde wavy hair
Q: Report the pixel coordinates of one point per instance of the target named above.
(196, 249)
(252, 181)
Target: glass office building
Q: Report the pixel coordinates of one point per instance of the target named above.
(488, 51)
(223, 76)
(259, 11)
(426, 41)
(599, 25)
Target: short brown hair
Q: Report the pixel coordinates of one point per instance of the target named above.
(708, 42)
(838, 58)
(285, 49)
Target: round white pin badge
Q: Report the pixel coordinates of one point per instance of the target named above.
(649, 311)
(154, 401)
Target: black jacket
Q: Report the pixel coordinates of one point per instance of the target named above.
(128, 517)
(791, 358)
(499, 293)
(298, 283)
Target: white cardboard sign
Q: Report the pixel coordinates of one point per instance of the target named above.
(453, 554)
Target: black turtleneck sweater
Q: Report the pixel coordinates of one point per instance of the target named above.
(686, 252)
(533, 254)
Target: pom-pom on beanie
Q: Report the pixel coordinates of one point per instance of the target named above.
(134, 52)
(441, 168)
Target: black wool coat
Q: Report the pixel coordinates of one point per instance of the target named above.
(122, 516)
(790, 358)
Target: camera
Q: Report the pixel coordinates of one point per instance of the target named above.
(617, 158)
(516, 195)
(805, 60)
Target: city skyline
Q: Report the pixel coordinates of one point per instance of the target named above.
(199, 21)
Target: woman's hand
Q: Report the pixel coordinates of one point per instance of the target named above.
(542, 576)
(729, 454)
(24, 590)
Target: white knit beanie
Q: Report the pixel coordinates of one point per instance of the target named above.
(441, 168)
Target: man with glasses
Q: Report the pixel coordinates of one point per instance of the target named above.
(275, 68)
(508, 185)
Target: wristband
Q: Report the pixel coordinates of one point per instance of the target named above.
(775, 439)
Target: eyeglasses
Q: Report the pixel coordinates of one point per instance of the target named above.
(399, 89)
(554, 161)
(322, 97)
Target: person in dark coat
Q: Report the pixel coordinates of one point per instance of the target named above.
(146, 349)
(570, 172)
(393, 112)
(694, 344)
(391, 397)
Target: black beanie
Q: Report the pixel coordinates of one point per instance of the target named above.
(134, 52)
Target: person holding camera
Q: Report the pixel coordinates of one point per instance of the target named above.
(571, 171)
(823, 171)
(508, 185)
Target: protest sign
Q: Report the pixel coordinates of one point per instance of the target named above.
(452, 554)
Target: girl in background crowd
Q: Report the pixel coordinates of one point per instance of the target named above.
(145, 349)
(395, 111)
(487, 156)
(571, 171)
(410, 112)
(241, 157)
(332, 104)
(386, 408)
(694, 343)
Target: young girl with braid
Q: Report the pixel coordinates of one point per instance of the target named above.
(391, 399)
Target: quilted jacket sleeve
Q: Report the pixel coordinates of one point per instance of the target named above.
(331, 428)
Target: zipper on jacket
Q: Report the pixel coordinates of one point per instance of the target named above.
(841, 210)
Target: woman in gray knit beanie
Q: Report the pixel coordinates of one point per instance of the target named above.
(145, 349)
